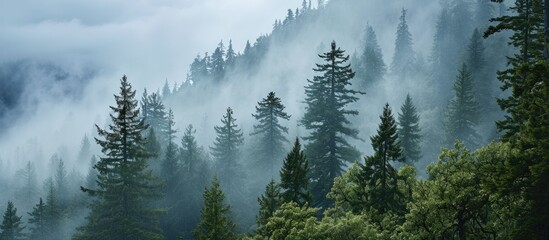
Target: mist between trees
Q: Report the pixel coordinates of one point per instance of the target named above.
(310, 132)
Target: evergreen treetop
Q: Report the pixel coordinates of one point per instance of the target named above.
(327, 97)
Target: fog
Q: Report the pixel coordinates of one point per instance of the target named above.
(61, 62)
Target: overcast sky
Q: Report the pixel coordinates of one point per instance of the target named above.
(148, 40)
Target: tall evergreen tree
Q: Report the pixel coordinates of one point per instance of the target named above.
(226, 149)
(199, 69)
(231, 56)
(378, 171)
(370, 67)
(293, 177)
(60, 179)
(166, 92)
(484, 11)
(525, 126)
(409, 132)
(477, 63)
(157, 118)
(462, 114)
(39, 221)
(218, 62)
(54, 213)
(12, 227)
(528, 37)
(326, 117)
(269, 202)
(29, 188)
(403, 58)
(91, 177)
(170, 162)
(84, 153)
(215, 223)
(122, 209)
(271, 132)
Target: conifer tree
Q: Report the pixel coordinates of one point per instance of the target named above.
(271, 132)
(39, 221)
(84, 153)
(477, 63)
(12, 226)
(327, 96)
(199, 69)
(215, 223)
(462, 114)
(166, 92)
(226, 149)
(157, 118)
(526, 24)
(269, 202)
(371, 67)
(91, 177)
(294, 177)
(29, 188)
(218, 62)
(525, 125)
(122, 208)
(403, 57)
(378, 171)
(61, 183)
(409, 131)
(54, 213)
(231, 56)
(170, 163)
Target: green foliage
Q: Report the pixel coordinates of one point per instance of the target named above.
(450, 204)
(12, 227)
(409, 132)
(462, 114)
(378, 172)
(217, 65)
(327, 96)
(122, 208)
(291, 222)
(271, 144)
(269, 202)
(226, 149)
(215, 223)
(293, 177)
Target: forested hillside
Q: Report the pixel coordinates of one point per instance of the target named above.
(351, 119)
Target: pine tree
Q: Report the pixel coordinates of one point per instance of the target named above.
(166, 92)
(29, 188)
(403, 58)
(199, 69)
(84, 153)
(157, 118)
(122, 209)
(54, 214)
(378, 171)
(409, 131)
(272, 140)
(526, 23)
(170, 163)
(215, 223)
(218, 63)
(293, 177)
(269, 202)
(462, 114)
(326, 117)
(370, 68)
(12, 227)
(477, 63)
(484, 11)
(91, 177)
(39, 221)
(231, 56)
(525, 126)
(61, 183)
(226, 149)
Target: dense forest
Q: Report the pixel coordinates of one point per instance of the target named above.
(311, 132)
